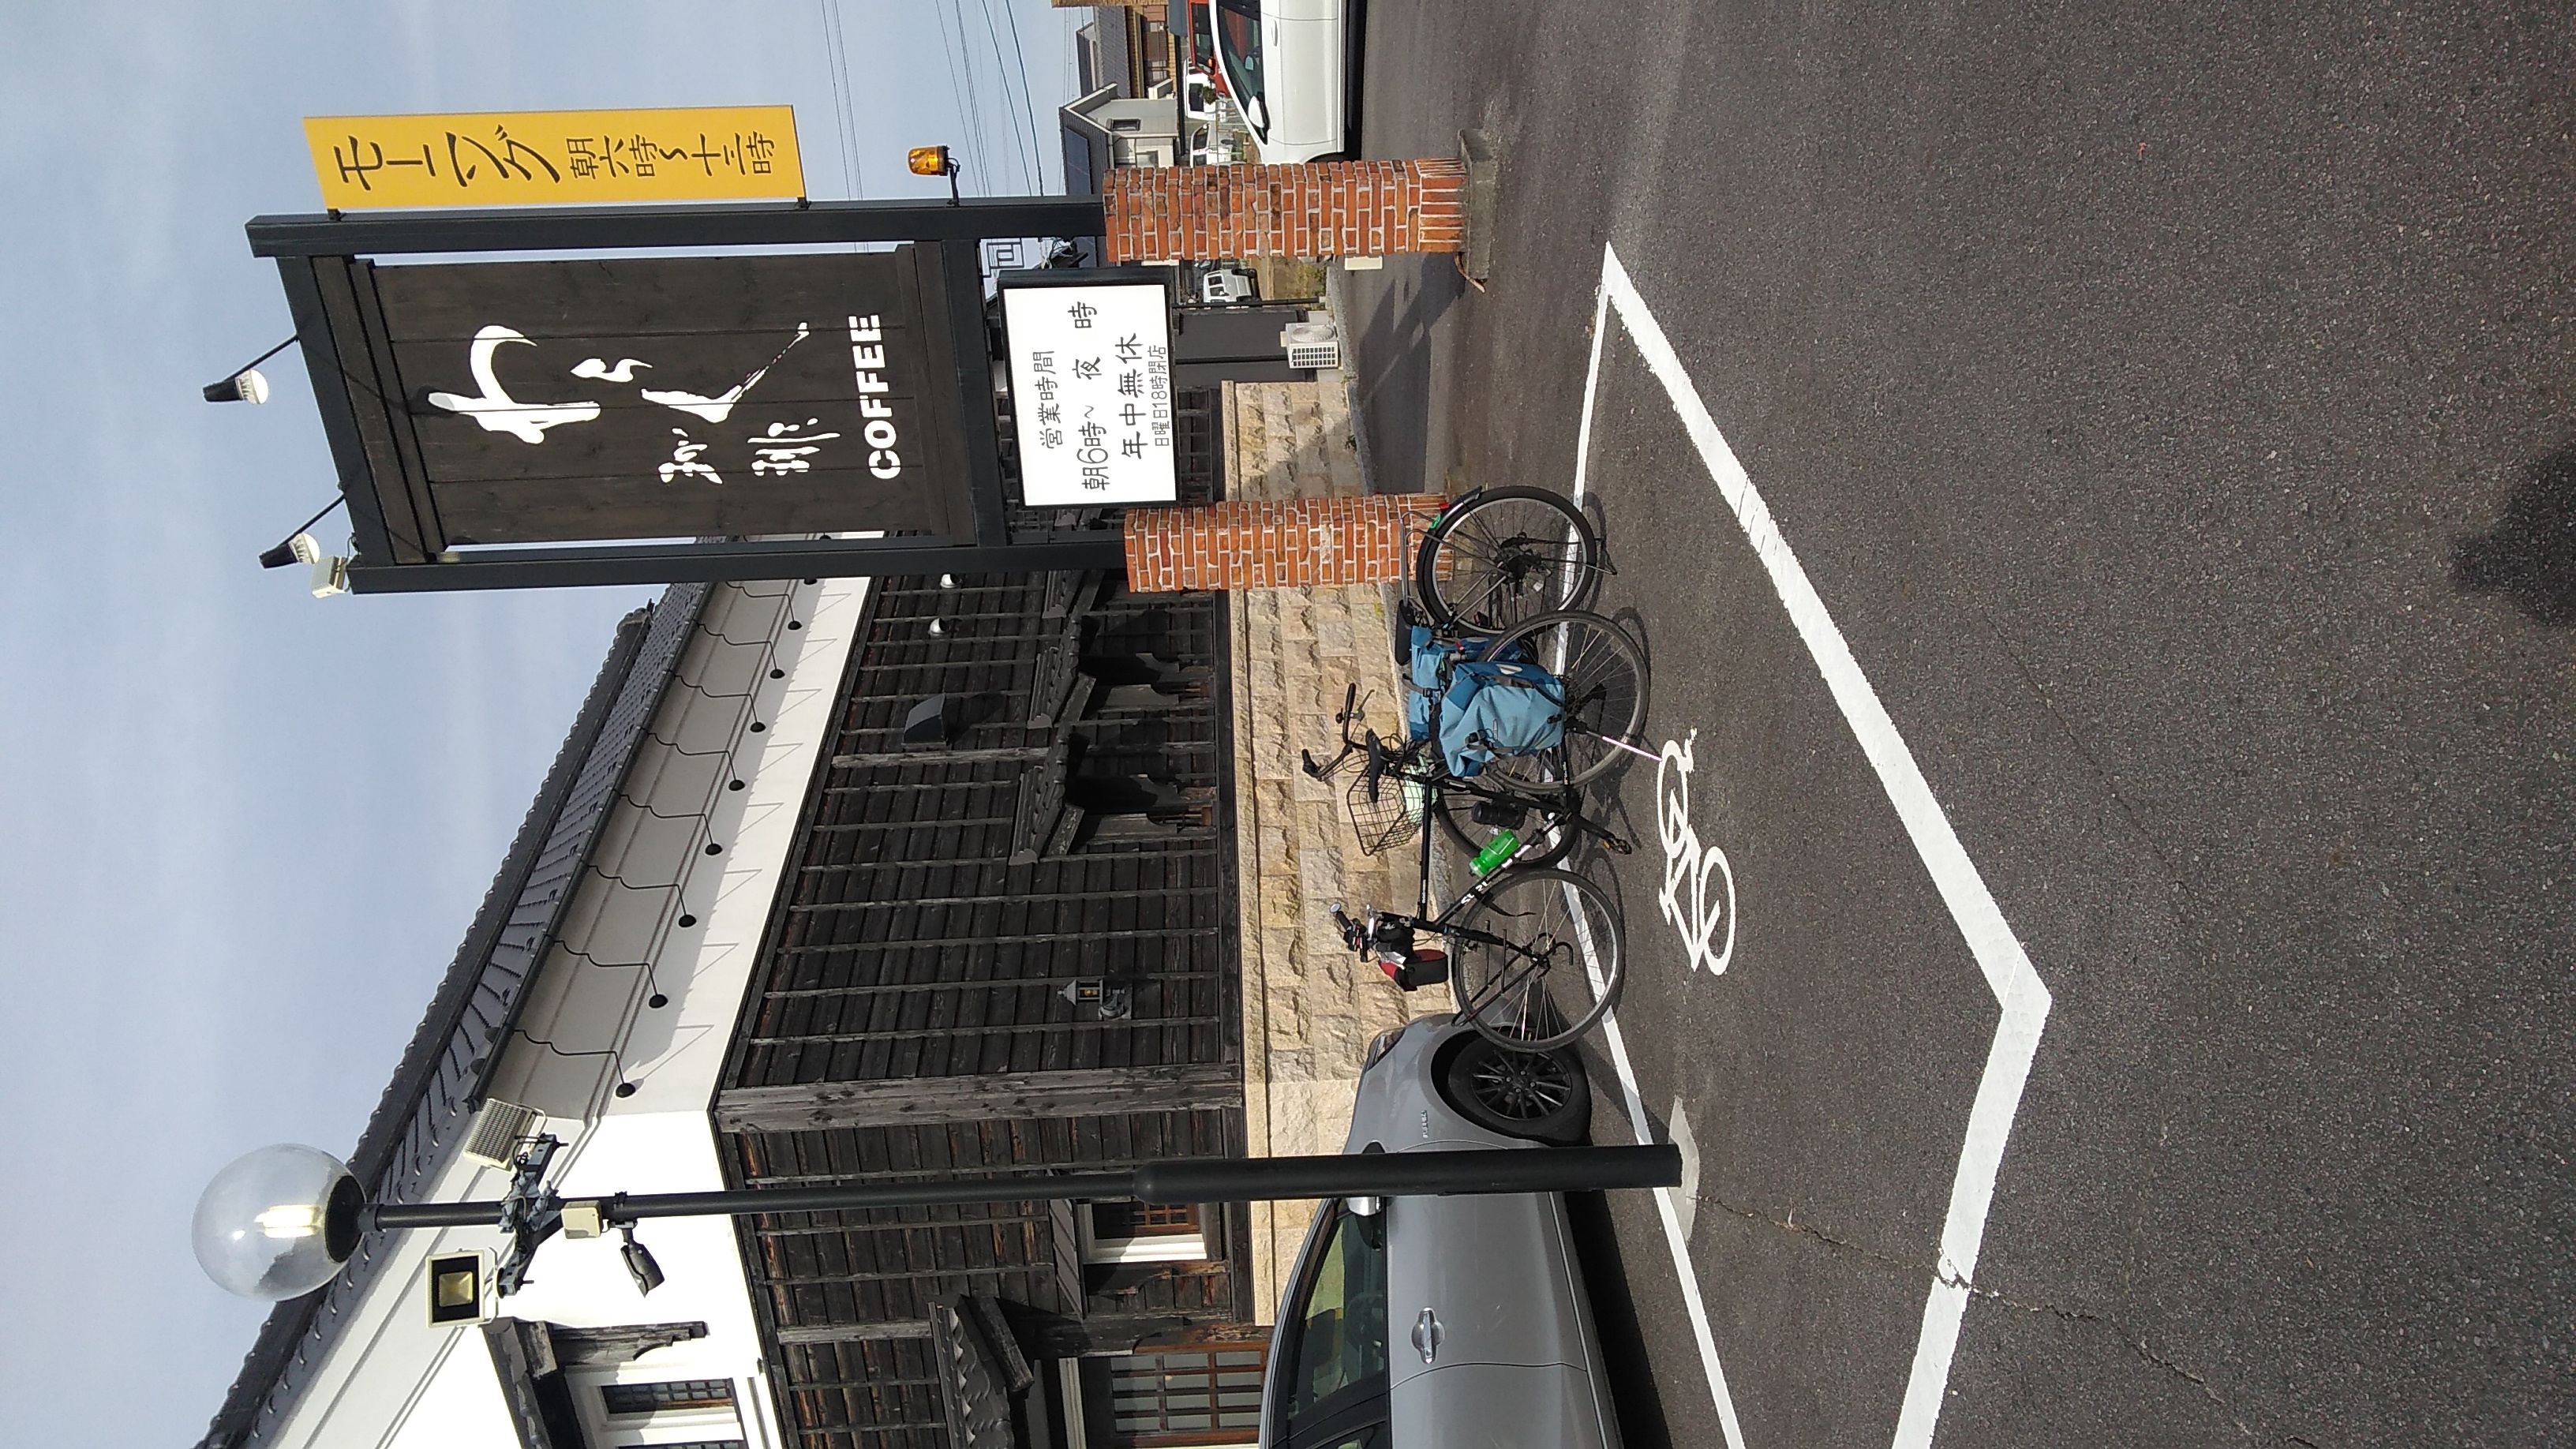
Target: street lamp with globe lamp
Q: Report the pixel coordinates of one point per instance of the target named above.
(278, 1222)
(282, 1221)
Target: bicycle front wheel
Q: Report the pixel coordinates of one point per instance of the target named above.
(1508, 554)
(1537, 959)
(1604, 676)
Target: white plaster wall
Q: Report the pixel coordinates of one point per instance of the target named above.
(460, 1406)
(392, 1381)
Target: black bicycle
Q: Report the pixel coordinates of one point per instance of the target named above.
(1534, 954)
(1499, 556)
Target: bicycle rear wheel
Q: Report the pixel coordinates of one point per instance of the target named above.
(1508, 554)
(1604, 674)
(1550, 960)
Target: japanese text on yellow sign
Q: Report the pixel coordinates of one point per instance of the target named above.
(537, 158)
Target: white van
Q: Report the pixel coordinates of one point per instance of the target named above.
(1288, 65)
(1223, 285)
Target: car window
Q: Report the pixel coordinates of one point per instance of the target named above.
(1339, 1347)
(1202, 34)
(1238, 33)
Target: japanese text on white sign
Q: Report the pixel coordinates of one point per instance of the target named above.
(1091, 387)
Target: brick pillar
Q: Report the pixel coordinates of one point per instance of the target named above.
(1290, 543)
(1335, 209)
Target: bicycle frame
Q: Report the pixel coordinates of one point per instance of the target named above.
(1376, 926)
(1388, 937)
(1395, 763)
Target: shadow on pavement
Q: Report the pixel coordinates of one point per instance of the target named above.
(2530, 555)
(1639, 1405)
(1395, 309)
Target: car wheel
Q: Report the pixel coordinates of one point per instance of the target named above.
(1537, 1096)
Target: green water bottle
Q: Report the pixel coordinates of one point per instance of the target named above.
(1497, 850)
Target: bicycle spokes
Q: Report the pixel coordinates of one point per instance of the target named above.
(1539, 958)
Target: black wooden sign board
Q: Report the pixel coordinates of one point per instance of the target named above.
(657, 398)
(555, 424)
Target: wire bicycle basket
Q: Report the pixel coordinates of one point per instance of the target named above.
(1386, 809)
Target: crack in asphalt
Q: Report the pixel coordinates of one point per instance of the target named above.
(2173, 873)
(2173, 880)
(2135, 1342)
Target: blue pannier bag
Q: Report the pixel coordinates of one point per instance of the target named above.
(1495, 708)
(1429, 675)
(1506, 706)
(1430, 658)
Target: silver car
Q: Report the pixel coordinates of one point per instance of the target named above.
(1426, 1321)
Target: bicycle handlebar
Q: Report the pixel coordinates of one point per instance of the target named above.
(1352, 936)
(1348, 714)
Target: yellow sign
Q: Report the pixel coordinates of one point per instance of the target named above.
(541, 158)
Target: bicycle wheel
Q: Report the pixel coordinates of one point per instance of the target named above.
(1504, 556)
(1545, 960)
(1539, 820)
(1604, 675)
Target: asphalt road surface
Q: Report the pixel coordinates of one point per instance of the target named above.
(2099, 489)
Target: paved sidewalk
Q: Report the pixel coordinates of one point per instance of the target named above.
(1395, 320)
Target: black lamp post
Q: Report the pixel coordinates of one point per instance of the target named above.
(279, 1222)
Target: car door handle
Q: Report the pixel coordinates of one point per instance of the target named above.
(1426, 1336)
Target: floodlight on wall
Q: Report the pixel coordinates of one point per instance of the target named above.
(459, 1286)
(246, 383)
(330, 572)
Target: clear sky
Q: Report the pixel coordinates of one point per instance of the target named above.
(246, 828)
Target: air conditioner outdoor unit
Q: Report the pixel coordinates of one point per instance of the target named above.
(1312, 344)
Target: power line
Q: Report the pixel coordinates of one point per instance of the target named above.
(844, 104)
(961, 85)
(1028, 98)
(1011, 118)
(1024, 140)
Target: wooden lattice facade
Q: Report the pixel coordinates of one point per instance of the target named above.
(1006, 944)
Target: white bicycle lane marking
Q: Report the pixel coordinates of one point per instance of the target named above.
(2023, 998)
(1688, 864)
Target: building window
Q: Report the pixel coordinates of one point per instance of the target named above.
(1169, 1396)
(1134, 1232)
(667, 1396)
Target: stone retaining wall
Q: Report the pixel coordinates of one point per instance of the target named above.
(1309, 1006)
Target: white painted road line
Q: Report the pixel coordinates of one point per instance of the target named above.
(1675, 1237)
(2023, 998)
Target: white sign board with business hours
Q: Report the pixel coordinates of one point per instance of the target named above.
(1091, 387)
